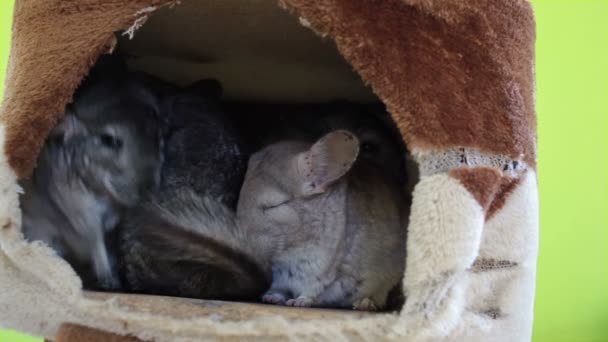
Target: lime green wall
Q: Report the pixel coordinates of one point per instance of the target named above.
(6, 9)
(572, 106)
(572, 78)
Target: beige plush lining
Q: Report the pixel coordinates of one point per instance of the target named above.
(256, 49)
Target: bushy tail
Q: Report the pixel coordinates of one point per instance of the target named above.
(190, 246)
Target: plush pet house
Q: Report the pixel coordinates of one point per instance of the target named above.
(456, 75)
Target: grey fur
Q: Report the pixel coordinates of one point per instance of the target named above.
(322, 235)
(340, 243)
(204, 152)
(182, 247)
(162, 251)
(381, 143)
(103, 157)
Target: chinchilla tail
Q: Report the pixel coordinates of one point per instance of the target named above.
(190, 245)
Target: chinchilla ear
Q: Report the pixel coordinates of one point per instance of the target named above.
(68, 127)
(328, 160)
(209, 87)
(193, 103)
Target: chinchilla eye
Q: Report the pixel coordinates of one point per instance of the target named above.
(56, 140)
(369, 147)
(274, 206)
(110, 141)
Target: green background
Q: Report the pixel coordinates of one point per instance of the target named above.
(572, 106)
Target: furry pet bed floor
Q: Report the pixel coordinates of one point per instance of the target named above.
(457, 77)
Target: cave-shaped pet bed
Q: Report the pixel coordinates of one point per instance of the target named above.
(457, 77)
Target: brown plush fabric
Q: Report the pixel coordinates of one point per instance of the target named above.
(506, 187)
(453, 73)
(54, 44)
(482, 183)
(78, 333)
(489, 187)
